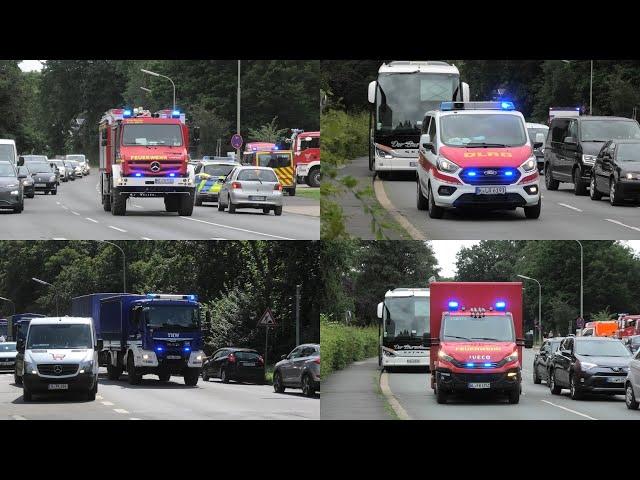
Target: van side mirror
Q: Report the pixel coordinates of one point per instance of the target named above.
(20, 345)
(99, 346)
(371, 96)
(466, 95)
(380, 307)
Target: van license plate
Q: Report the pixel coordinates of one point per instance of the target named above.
(58, 386)
(491, 190)
(616, 379)
(41, 184)
(413, 360)
(479, 385)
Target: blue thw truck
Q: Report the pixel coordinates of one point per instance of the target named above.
(18, 324)
(155, 334)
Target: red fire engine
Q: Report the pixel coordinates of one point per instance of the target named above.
(145, 155)
(306, 148)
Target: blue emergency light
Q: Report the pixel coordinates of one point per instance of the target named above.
(187, 349)
(138, 174)
(275, 148)
(470, 365)
(172, 174)
(501, 305)
(507, 106)
(448, 106)
(175, 114)
(471, 174)
(508, 173)
(159, 348)
(453, 305)
(126, 113)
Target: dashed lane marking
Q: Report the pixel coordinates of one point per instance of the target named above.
(75, 213)
(108, 404)
(236, 228)
(118, 229)
(622, 224)
(91, 220)
(120, 410)
(135, 418)
(569, 206)
(569, 410)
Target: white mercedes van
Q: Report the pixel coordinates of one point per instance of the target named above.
(8, 151)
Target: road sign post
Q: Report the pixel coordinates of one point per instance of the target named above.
(268, 322)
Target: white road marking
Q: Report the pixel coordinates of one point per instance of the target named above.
(57, 203)
(108, 404)
(99, 397)
(18, 417)
(134, 418)
(91, 220)
(75, 213)
(569, 206)
(569, 410)
(236, 228)
(120, 410)
(622, 224)
(145, 238)
(58, 238)
(391, 399)
(217, 238)
(118, 229)
(66, 208)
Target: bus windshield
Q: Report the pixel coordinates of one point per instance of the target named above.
(464, 328)
(406, 317)
(403, 98)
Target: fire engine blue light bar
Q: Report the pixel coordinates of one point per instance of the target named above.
(448, 106)
(138, 174)
(487, 364)
(126, 113)
(470, 365)
(175, 113)
(453, 305)
(501, 305)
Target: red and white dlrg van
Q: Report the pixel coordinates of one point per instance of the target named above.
(477, 155)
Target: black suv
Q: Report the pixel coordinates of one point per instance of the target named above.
(616, 172)
(573, 144)
(542, 360)
(589, 364)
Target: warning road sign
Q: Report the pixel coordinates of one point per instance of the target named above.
(267, 319)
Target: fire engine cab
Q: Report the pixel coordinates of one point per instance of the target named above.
(145, 155)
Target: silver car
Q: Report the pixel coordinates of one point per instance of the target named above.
(299, 369)
(8, 354)
(251, 187)
(632, 383)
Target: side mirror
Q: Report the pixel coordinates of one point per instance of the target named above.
(283, 357)
(419, 124)
(380, 307)
(99, 346)
(537, 145)
(371, 96)
(570, 140)
(20, 345)
(466, 95)
(528, 342)
(429, 147)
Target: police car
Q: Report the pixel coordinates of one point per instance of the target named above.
(476, 155)
(210, 175)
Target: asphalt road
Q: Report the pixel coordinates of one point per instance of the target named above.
(152, 400)
(564, 216)
(536, 403)
(75, 213)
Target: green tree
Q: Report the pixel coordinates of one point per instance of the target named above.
(269, 132)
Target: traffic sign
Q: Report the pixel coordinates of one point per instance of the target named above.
(580, 322)
(236, 141)
(267, 319)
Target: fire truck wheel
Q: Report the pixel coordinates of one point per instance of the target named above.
(278, 211)
(113, 373)
(441, 396)
(313, 179)
(514, 396)
(434, 210)
(191, 378)
(118, 203)
(171, 203)
(106, 203)
(186, 205)
(292, 192)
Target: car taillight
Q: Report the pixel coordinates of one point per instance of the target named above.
(317, 360)
(232, 358)
(260, 360)
(236, 185)
(277, 186)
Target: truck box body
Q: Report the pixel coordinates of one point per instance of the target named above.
(18, 324)
(115, 321)
(89, 306)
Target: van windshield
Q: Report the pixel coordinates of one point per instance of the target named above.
(6, 170)
(64, 335)
(6, 153)
(604, 130)
(482, 130)
(464, 328)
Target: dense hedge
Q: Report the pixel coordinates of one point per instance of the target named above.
(343, 344)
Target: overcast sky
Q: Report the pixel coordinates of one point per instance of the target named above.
(30, 65)
(445, 251)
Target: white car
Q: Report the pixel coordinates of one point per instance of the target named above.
(632, 384)
(476, 155)
(82, 162)
(8, 354)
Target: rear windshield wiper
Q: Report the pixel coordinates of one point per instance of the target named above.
(486, 338)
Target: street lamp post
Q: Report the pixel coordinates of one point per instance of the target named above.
(55, 290)
(124, 264)
(154, 74)
(148, 90)
(11, 302)
(590, 87)
(581, 279)
(238, 111)
(539, 303)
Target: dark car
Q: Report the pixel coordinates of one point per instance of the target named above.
(299, 369)
(573, 144)
(44, 177)
(589, 365)
(633, 343)
(11, 189)
(616, 172)
(239, 364)
(542, 360)
(27, 182)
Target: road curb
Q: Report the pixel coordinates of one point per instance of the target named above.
(391, 399)
(382, 198)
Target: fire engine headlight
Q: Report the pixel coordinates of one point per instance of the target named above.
(530, 164)
(512, 358)
(443, 356)
(447, 166)
(383, 154)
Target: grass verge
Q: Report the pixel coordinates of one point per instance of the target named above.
(313, 193)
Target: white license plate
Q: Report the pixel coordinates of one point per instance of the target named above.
(616, 379)
(413, 360)
(174, 357)
(41, 184)
(249, 364)
(479, 385)
(491, 190)
(413, 164)
(257, 198)
(164, 181)
(58, 386)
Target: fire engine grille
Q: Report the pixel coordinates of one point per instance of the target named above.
(145, 167)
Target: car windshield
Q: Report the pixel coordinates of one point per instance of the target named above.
(251, 175)
(635, 340)
(603, 130)
(64, 335)
(406, 317)
(7, 153)
(217, 170)
(274, 160)
(464, 328)
(174, 316)
(554, 346)
(628, 152)
(7, 347)
(482, 130)
(7, 170)
(40, 168)
(534, 131)
(152, 134)
(599, 348)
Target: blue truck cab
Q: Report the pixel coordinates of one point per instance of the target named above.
(18, 324)
(155, 334)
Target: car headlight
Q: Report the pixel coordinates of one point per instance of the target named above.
(588, 159)
(530, 164)
(443, 356)
(27, 182)
(14, 192)
(445, 165)
(512, 357)
(383, 154)
(30, 367)
(52, 178)
(86, 366)
(587, 365)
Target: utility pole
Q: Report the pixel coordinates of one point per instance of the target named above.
(297, 314)
(238, 114)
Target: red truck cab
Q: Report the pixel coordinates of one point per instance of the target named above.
(628, 326)
(476, 338)
(306, 148)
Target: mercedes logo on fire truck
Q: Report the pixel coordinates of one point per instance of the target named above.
(155, 167)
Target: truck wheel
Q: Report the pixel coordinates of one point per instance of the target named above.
(113, 373)
(278, 386)
(91, 394)
(514, 396)
(292, 192)
(441, 396)
(171, 203)
(164, 377)
(134, 377)
(533, 212)
(106, 203)
(307, 386)
(549, 182)
(313, 179)
(27, 396)
(191, 378)
(118, 203)
(186, 205)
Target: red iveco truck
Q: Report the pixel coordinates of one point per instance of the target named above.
(476, 338)
(145, 155)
